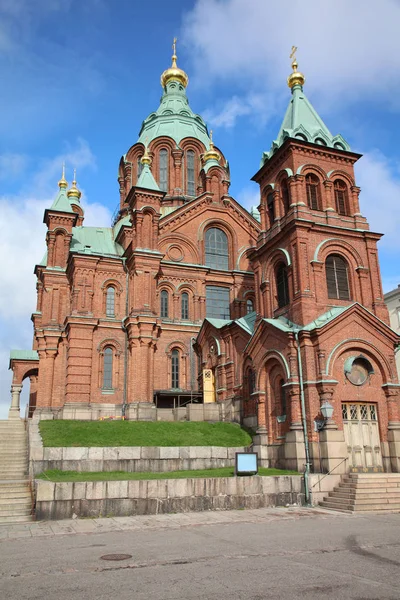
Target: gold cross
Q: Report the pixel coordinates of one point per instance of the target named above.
(293, 53)
(174, 45)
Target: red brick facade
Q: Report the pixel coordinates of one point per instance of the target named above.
(312, 239)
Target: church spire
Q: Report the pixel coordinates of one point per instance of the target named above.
(146, 179)
(301, 120)
(174, 73)
(61, 202)
(73, 192)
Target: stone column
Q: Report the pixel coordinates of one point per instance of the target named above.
(333, 448)
(14, 412)
(260, 439)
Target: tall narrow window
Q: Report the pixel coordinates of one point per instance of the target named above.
(216, 247)
(285, 195)
(271, 209)
(340, 189)
(337, 277)
(190, 183)
(251, 379)
(249, 306)
(175, 369)
(185, 305)
(282, 285)
(313, 193)
(164, 304)
(110, 302)
(107, 369)
(283, 397)
(163, 170)
(217, 302)
(139, 166)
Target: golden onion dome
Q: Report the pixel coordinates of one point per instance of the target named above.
(145, 160)
(295, 78)
(73, 192)
(211, 153)
(174, 72)
(63, 183)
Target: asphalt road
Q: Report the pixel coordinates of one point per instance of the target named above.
(249, 555)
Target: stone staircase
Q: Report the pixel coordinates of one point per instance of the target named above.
(362, 492)
(15, 492)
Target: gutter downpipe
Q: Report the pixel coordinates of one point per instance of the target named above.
(124, 400)
(304, 422)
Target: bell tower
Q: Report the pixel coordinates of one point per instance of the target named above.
(315, 251)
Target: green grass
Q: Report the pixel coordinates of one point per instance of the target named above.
(56, 475)
(141, 433)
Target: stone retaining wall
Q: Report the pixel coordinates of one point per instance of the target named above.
(123, 498)
(131, 458)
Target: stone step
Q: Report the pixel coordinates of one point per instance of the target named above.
(15, 511)
(365, 494)
(339, 507)
(19, 519)
(17, 502)
(386, 484)
(14, 494)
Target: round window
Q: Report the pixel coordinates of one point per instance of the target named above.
(359, 372)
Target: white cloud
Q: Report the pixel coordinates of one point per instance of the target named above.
(22, 245)
(379, 180)
(256, 105)
(347, 49)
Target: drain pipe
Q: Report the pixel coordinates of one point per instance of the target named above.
(303, 420)
(124, 400)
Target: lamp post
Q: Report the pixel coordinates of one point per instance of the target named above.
(327, 413)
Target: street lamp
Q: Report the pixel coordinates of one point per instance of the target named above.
(326, 412)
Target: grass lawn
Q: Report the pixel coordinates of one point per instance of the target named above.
(141, 433)
(56, 475)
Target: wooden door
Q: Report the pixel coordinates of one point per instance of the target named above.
(361, 432)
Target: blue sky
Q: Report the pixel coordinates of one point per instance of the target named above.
(78, 78)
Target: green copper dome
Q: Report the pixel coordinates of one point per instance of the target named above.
(174, 118)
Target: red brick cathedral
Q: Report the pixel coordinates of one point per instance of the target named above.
(191, 307)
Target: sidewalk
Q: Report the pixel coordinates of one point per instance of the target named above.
(36, 529)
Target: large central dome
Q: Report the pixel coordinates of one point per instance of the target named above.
(174, 118)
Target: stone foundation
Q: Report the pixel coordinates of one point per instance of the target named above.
(124, 498)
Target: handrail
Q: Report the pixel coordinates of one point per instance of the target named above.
(329, 472)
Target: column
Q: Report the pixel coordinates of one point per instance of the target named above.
(14, 412)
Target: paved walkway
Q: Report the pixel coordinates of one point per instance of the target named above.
(36, 529)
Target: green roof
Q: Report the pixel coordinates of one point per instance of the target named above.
(61, 202)
(174, 118)
(24, 355)
(146, 180)
(95, 240)
(120, 223)
(246, 322)
(301, 121)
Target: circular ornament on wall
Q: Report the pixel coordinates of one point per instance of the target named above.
(357, 370)
(175, 253)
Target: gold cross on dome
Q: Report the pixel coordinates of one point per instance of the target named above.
(174, 45)
(293, 52)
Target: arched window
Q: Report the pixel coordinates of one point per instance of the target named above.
(175, 369)
(337, 277)
(163, 170)
(164, 304)
(313, 192)
(285, 195)
(271, 209)
(251, 381)
(108, 369)
(190, 183)
(216, 246)
(185, 305)
(340, 189)
(283, 406)
(110, 301)
(249, 306)
(139, 167)
(282, 285)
